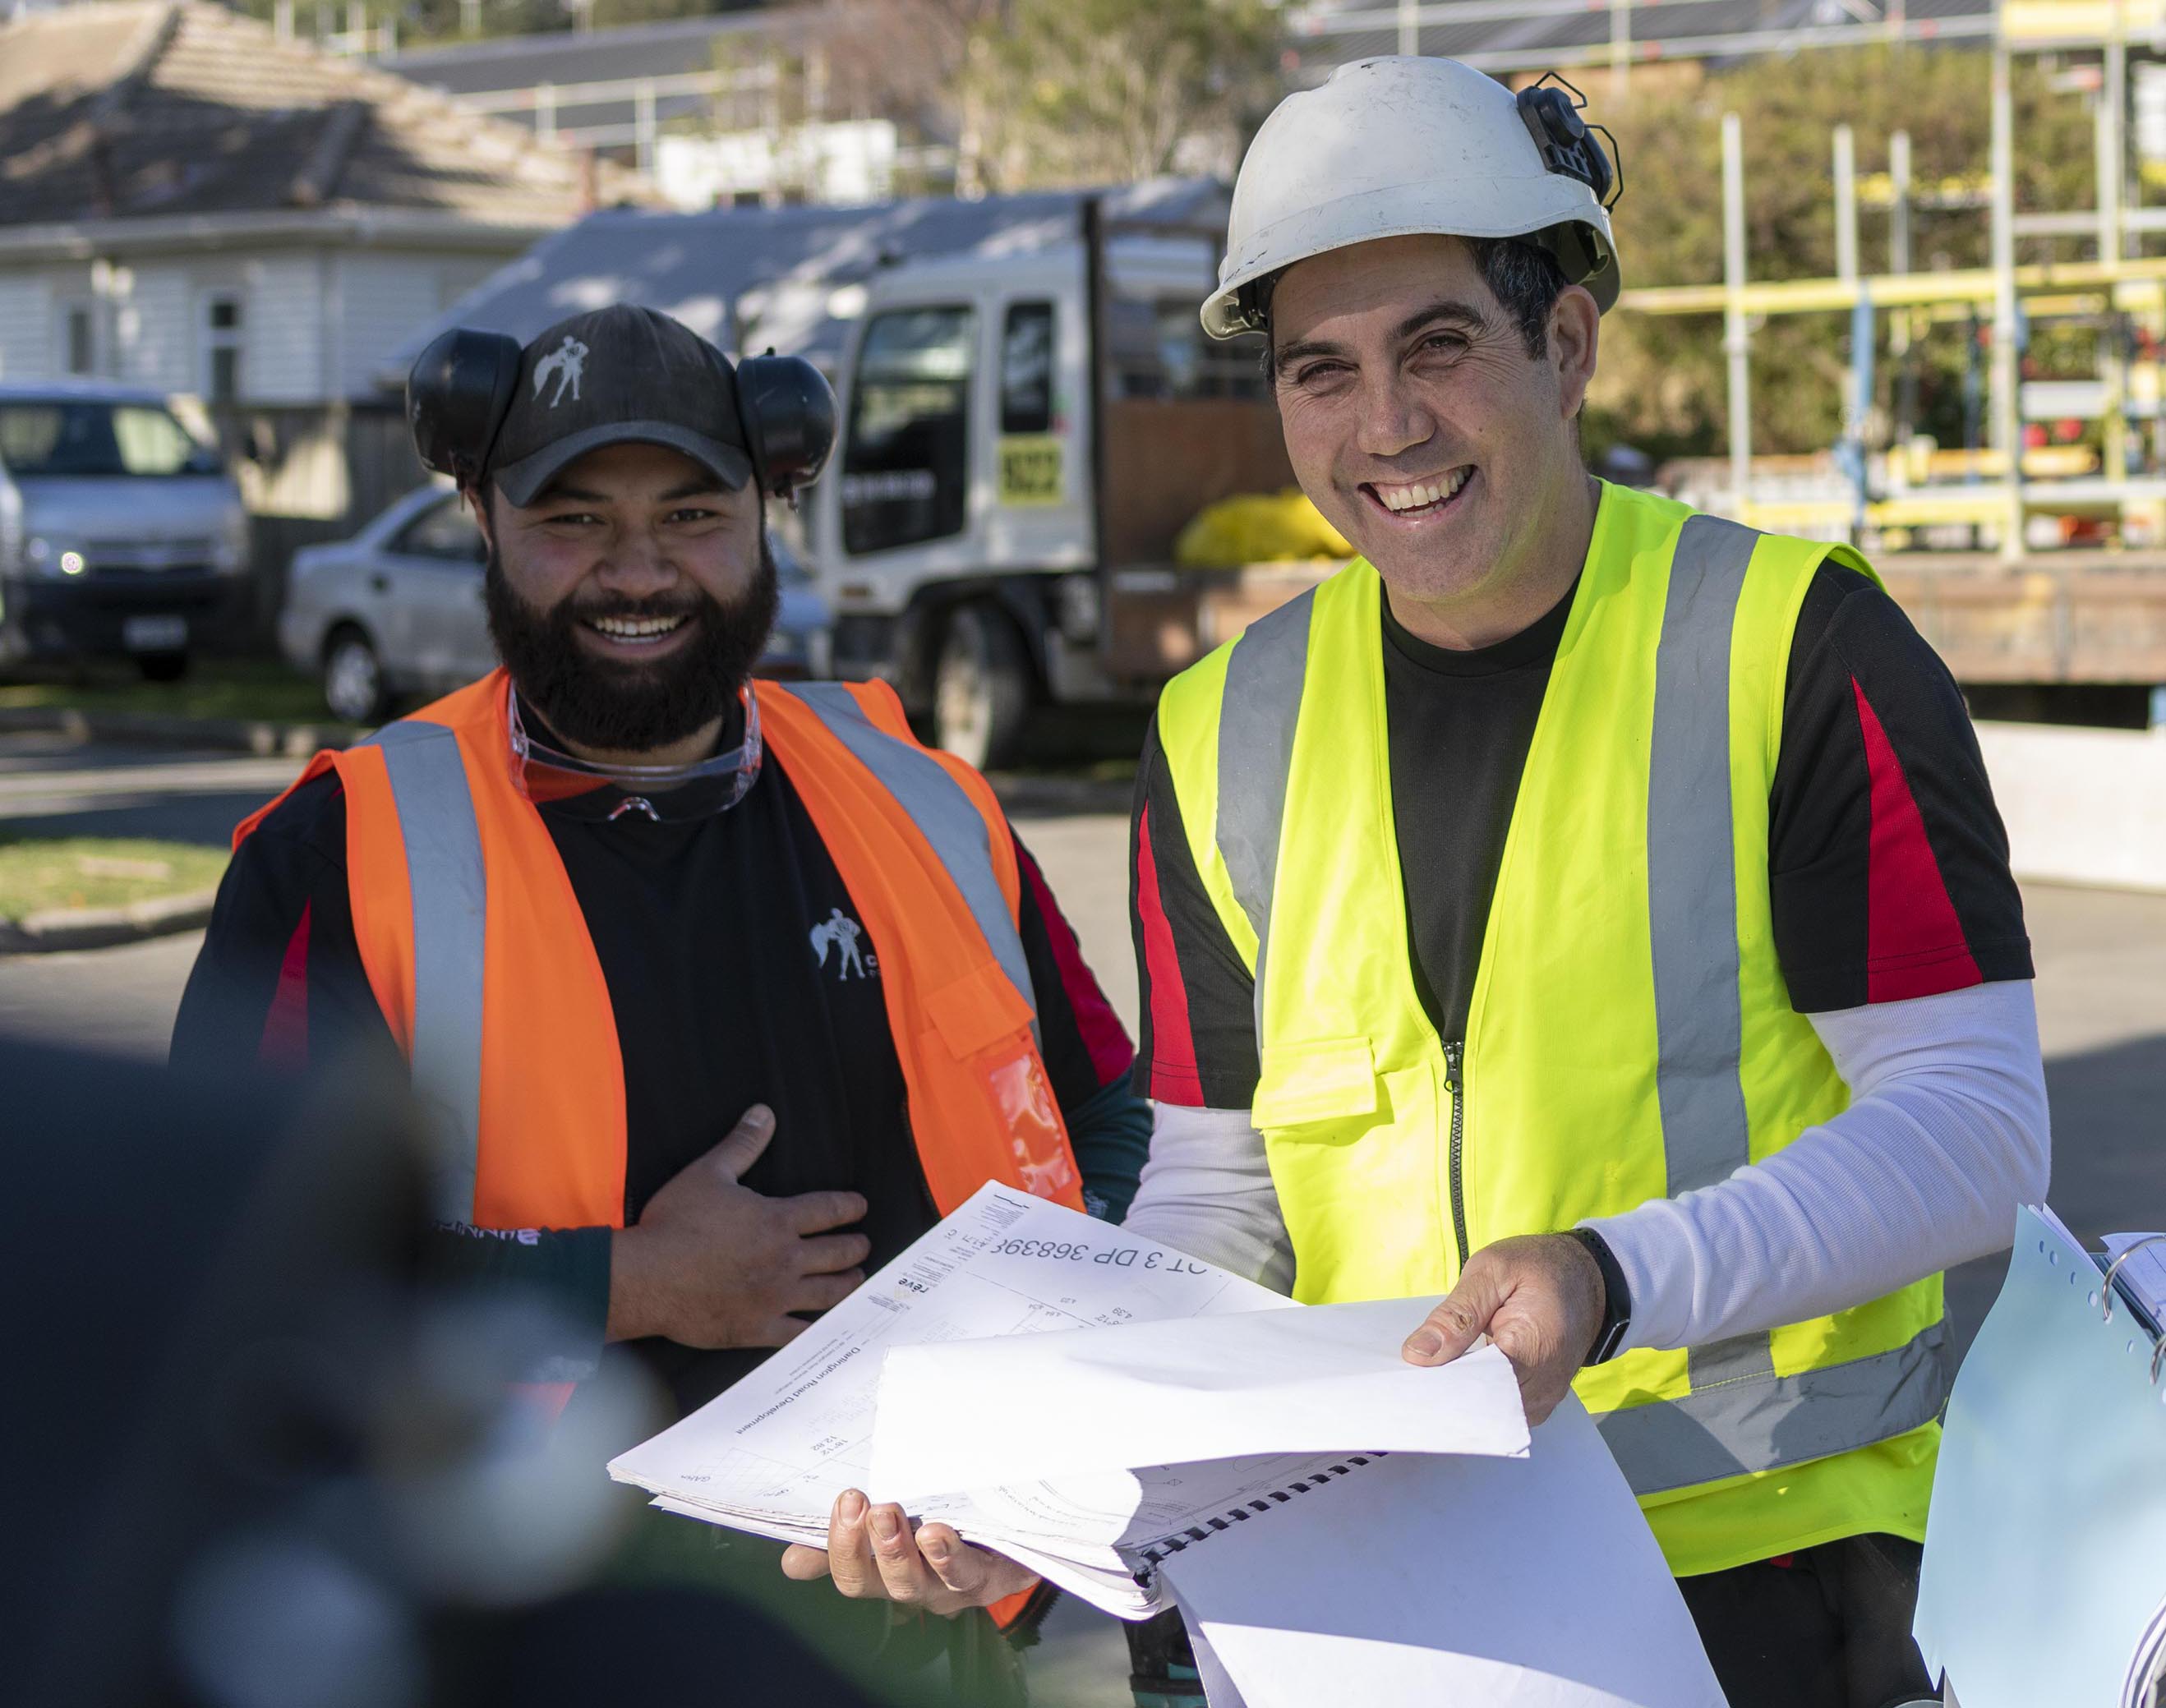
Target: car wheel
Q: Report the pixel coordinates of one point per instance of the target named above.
(981, 688)
(353, 679)
(162, 667)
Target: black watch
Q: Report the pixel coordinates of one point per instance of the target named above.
(1616, 1297)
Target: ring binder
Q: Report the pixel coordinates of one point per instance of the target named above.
(1156, 1553)
(2045, 1568)
(2113, 1272)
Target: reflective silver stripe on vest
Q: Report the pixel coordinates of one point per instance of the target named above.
(938, 806)
(450, 887)
(1257, 717)
(1758, 1425)
(1692, 892)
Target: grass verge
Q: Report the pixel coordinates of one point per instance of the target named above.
(42, 873)
(251, 688)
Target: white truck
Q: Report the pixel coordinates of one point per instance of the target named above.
(1024, 434)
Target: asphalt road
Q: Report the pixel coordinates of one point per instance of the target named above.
(2101, 986)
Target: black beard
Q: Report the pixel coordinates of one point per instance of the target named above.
(631, 708)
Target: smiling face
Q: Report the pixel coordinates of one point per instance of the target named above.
(1422, 427)
(630, 601)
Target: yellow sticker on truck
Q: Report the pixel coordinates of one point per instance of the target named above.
(1030, 469)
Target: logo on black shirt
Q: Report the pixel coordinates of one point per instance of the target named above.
(840, 932)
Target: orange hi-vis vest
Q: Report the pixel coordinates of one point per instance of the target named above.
(479, 957)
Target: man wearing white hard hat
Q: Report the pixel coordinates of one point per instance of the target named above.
(1584, 908)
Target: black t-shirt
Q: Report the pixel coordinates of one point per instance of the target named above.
(738, 973)
(1886, 860)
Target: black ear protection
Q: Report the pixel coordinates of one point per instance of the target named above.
(788, 409)
(1550, 109)
(456, 397)
(461, 389)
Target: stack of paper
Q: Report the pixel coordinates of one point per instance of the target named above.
(1193, 1428)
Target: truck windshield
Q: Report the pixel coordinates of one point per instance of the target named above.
(906, 459)
(82, 437)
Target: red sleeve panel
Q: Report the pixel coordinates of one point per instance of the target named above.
(1198, 1001)
(1887, 862)
(1913, 941)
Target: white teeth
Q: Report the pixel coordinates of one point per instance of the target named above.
(636, 628)
(1400, 499)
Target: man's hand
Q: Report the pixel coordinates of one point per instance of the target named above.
(1540, 1298)
(873, 1556)
(713, 1263)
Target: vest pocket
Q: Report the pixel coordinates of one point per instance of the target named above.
(1329, 1079)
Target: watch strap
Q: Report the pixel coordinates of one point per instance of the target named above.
(1616, 1297)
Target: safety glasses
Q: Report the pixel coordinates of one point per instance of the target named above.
(666, 795)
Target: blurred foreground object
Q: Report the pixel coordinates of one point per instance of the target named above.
(251, 1461)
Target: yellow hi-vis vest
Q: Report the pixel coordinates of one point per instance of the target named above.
(1630, 1036)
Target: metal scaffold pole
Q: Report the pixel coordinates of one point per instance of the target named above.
(2110, 118)
(1899, 263)
(2007, 377)
(1734, 341)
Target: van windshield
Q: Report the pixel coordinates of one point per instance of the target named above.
(82, 437)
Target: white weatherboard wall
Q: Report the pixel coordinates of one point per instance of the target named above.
(26, 327)
(157, 343)
(2082, 805)
(383, 298)
(285, 318)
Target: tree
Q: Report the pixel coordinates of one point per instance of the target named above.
(1082, 92)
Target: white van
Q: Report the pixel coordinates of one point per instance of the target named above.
(121, 532)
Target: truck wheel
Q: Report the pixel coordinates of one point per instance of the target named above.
(162, 667)
(980, 689)
(353, 679)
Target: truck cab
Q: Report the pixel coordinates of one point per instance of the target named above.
(975, 508)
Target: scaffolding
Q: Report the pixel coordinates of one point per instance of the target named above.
(1935, 519)
(1997, 488)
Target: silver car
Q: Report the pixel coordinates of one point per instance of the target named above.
(396, 612)
(121, 532)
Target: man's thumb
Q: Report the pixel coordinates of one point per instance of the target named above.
(1455, 1324)
(747, 1140)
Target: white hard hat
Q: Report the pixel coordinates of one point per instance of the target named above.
(1394, 147)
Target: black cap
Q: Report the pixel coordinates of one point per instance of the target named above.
(615, 375)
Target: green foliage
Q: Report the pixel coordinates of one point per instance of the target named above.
(1662, 385)
(1075, 92)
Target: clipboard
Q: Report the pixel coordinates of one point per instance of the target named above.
(2044, 1579)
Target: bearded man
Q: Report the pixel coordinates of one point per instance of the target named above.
(587, 901)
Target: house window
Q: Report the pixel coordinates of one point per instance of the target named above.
(221, 349)
(79, 337)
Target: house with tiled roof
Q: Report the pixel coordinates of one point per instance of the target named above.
(190, 201)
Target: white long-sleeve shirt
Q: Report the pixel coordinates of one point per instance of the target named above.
(1946, 1132)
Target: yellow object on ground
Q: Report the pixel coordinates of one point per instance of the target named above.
(1258, 528)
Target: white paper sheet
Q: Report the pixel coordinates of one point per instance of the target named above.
(791, 1437)
(770, 1455)
(1184, 1391)
(1528, 1583)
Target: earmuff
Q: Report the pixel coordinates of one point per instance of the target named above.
(463, 385)
(788, 411)
(456, 397)
(1551, 110)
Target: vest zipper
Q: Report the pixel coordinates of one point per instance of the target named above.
(1455, 1082)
